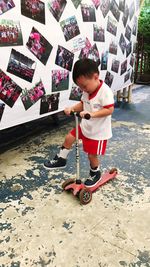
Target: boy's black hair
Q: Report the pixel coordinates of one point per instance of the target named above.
(86, 67)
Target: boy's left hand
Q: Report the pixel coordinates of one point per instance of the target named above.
(83, 113)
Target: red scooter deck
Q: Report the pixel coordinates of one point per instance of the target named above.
(75, 187)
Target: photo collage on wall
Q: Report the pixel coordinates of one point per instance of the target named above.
(112, 49)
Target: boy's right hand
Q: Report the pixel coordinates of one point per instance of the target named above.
(68, 111)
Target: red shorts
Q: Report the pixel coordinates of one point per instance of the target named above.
(90, 146)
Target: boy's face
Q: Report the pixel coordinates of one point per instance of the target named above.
(88, 84)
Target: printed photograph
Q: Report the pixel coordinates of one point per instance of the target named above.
(121, 5)
(31, 96)
(88, 13)
(9, 90)
(60, 80)
(21, 66)
(123, 67)
(134, 28)
(64, 58)
(78, 44)
(122, 43)
(105, 7)
(49, 103)
(128, 33)
(109, 78)
(76, 93)
(99, 35)
(10, 33)
(70, 28)
(94, 54)
(76, 3)
(132, 58)
(127, 77)
(56, 7)
(113, 47)
(85, 51)
(115, 65)
(128, 49)
(115, 10)
(2, 107)
(39, 46)
(111, 26)
(96, 3)
(33, 9)
(104, 60)
(131, 10)
(125, 15)
(6, 5)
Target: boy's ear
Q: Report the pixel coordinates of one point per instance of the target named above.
(96, 76)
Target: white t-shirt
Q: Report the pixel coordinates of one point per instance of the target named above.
(97, 128)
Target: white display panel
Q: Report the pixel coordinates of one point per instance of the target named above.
(40, 42)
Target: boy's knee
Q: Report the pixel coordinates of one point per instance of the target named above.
(69, 140)
(69, 137)
(91, 156)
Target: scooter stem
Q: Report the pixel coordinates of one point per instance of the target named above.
(77, 148)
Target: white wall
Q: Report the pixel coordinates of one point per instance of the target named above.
(52, 31)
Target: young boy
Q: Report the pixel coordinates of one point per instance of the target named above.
(97, 100)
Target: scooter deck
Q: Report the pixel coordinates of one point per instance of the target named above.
(107, 176)
(104, 179)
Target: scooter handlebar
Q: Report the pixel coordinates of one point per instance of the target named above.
(87, 116)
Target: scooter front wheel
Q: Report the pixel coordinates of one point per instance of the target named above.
(67, 182)
(85, 196)
(113, 170)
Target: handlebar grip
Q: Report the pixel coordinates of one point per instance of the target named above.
(87, 116)
(72, 113)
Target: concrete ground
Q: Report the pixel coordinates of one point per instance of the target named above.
(43, 226)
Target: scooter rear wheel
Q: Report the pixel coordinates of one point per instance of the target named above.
(111, 171)
(67, 182)
(85, 196)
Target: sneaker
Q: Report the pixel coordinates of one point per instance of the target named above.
(57, 162)
(95, 177)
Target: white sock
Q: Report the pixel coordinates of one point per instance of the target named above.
(95, 170)
(63, 153)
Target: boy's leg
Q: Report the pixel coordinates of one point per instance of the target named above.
(95, 174)
(59, 161)
(94, 148)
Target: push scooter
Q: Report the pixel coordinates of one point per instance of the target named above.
(76, 186)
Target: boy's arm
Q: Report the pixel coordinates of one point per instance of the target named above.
(105, 111)
(75, 108)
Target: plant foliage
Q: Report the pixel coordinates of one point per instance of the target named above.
(144, 21)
